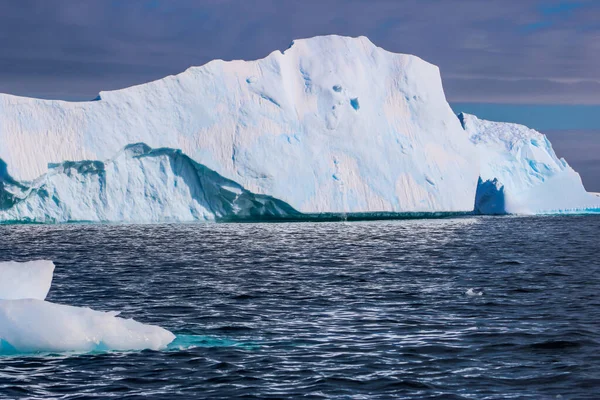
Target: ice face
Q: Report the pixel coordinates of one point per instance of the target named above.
(333, 124)
(521, 174)
(29, 280)
(30, 326)
(139, 184)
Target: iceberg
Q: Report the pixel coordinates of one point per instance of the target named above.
(28, 280)
(521, 174)
(29, 324)
(332, 125)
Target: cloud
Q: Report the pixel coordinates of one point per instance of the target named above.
(518, 51)
(522, 90)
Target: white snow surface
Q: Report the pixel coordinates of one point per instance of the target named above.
(521, 174)
(28, 280)
(30, 326)
(333, 124)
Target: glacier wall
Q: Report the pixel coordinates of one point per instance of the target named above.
(333, 124)
(521, 174)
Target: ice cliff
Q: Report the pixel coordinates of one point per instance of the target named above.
(331, 125)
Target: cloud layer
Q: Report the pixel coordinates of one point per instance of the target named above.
(527, 51)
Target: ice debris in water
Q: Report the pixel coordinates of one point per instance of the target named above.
(29, 324)
(28, 280)
(474, 292)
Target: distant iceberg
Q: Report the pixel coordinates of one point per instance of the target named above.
(32, 325)
(332, 125)
(521, 174)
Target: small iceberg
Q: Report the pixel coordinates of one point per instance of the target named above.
(32, 325)
(474, 292)
(29, 326)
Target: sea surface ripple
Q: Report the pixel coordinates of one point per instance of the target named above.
(462, 308)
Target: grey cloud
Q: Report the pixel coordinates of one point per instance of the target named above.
(521, 91)
(477, 44)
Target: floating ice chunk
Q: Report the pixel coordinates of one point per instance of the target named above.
(30, 326)
(28, 280)
(474, 292)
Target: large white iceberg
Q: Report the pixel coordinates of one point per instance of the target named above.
(521, 174)
(331, 125)
(28, 280)
(30, 325)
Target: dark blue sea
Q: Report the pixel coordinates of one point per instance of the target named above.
(360, 310)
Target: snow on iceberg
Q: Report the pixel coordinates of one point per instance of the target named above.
(28, 280)
(331, 125)
(521, 174)
(139, 184)
(31, 326)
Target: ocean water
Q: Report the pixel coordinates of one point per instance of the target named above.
(457, 308)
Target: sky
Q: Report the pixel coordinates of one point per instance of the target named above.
(527, 61)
